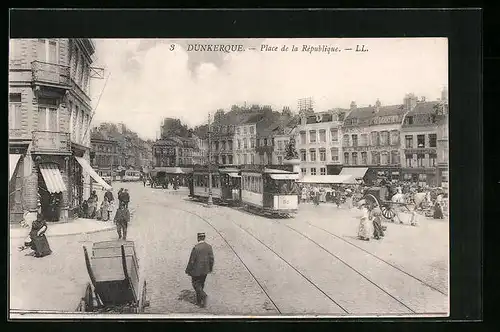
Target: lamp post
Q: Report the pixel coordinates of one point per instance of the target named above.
(209, 202)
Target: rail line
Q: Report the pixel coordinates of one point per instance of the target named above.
(270, 249)
(371, 254)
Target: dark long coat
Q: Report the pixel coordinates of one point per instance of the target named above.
(201, 260)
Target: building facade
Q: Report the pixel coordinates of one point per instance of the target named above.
(419, 134)
(104, 156)
(49, 124)
(245, 137)
(371, 138)
(442, 145)
(222, 140)
(318, 140)
(174, 152)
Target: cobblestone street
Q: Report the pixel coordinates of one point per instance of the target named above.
(310, 264)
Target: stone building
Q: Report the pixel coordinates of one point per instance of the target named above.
(442, 141)
(49, 125)
(371, 139)
(318, 142)
(104, 156)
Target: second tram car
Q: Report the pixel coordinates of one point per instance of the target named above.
(225, 184)
(270, 191)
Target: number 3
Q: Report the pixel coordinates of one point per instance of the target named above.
(172, 47)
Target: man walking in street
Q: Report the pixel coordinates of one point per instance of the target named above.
(201, 263)
(122, 218)
(125, 197)
(109, 196)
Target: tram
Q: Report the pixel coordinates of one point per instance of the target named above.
(225, 184)
(131, 175)
(270, 191)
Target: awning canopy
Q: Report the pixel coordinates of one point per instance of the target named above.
(234, 175)
(86, 166)
(283, 176)
(13, 160)
(53, 178)
(169, 170)
(328, 179)
(356, 172)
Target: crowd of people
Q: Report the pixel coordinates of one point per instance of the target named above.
(91, 210)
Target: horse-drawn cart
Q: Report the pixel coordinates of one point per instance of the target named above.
(379, 196)
(115, 285)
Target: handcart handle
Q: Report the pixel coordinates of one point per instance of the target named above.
(89, 267)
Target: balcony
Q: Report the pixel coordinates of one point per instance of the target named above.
(420, 151)
(51, 142)
(51, 74)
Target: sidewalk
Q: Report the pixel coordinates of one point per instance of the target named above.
(73, 227)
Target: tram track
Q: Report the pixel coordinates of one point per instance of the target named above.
(271, 250)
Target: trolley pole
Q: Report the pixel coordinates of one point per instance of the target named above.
(209, 202)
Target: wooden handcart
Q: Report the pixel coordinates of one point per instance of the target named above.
(115, 285)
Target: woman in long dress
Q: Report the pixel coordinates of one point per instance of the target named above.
(364, 223)
(37, 239)
(438, 210)
(104, 209)
(378, 231)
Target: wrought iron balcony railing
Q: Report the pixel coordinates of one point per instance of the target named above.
(51, 142)
(51, 73)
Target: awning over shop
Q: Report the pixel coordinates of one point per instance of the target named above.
(356, 172)
(86, 166)
(13, 160)
(234, 175)
(283, 176)
(328, 179)
(53, 178)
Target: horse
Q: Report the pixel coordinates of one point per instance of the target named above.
(398, 198)
(421, 198)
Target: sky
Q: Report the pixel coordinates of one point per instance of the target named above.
(146, 81)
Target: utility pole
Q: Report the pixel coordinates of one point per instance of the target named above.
(209, 202)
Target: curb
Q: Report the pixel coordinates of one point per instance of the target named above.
(107, 229)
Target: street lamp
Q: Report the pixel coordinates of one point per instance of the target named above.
(209, 202)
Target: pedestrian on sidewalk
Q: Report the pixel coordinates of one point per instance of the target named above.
(125, 197)
(122, 218)
(109, 196)
(364, 223)
(37, 240)
(201, 263)
(375, 215)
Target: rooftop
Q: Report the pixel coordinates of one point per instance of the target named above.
(371, 112)
(426, 107)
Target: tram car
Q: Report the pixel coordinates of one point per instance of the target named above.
(269, 191)
(225, 184)
(131, 175)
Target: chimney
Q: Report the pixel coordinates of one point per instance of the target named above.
(410, 101)
(353, 105)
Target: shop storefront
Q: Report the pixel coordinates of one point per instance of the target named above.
(421, 176)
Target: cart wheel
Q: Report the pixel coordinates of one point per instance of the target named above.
(388, 213)
(145, 302)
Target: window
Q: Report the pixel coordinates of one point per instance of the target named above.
(409, 141)
(303, 171)
(48, 114)
(345, 140)
(322, 155)
(14, 49)
(395, 158)
(384, 158)
(432, 140)
(394, 137)
(15, 111)
(313, 171)
(312, 136)
(280, 145)
(303, 137)
(409, 120)
(432, 159)
(322, 135)
(375, 158)
(252, 130)
(420, 159)
(375, 138)
(252, 143)
(230, 159)
(384, 138)
(302, 155)
(245, 159)
(312, 153)
(322, 171)
(363, 140)
(354, 140)
(265, 141)
(364, 158)
(252, 158)
(245, 130)
(420, 141)
(280, 160)
(239, 144)
(334, 134)
(354, 158)
(223, 160)
(46, 51)
(238, 130)
(346, 158)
